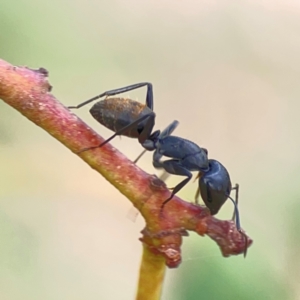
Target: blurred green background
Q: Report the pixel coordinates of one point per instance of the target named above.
(227, 70)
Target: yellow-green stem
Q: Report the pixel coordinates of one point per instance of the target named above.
(152, 272)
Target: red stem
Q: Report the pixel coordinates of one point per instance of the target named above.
(28, 91)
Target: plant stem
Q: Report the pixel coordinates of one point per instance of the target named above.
(152, 272)
(28, 91)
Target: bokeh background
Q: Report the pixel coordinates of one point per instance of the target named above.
(227, 70)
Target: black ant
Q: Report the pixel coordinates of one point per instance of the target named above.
(133, 119)
(214, 180)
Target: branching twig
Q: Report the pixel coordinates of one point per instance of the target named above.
(28, 91)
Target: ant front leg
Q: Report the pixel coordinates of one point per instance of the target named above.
(149, 96)
(172, 166)
(128, 127)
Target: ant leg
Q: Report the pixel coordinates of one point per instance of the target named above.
(149, 97)
(236, 188)
(157, 164)
(197, 195)
(147, 129)
(172, 166)
(128, 127)
(237, 222)
(198, 189)
(169, 130)
(164, 176)
(175, 168)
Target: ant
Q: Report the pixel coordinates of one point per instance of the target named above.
(214, 180)
(124, 116)
(133, 119)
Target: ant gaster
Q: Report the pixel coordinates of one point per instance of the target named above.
(124, 116)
